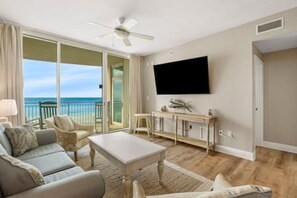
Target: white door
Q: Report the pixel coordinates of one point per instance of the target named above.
(259, 100)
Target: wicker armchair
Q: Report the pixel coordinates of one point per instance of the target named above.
(71, 140)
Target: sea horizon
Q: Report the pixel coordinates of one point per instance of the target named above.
(36, 100)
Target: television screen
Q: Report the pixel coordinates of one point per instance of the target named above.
(182, 77)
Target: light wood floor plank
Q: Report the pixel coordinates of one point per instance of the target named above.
(272, 168)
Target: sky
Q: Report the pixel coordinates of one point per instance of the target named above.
(76, 80)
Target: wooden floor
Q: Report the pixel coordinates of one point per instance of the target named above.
(274, 169)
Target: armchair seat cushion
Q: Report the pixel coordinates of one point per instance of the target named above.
(42, 150)
(51, 163)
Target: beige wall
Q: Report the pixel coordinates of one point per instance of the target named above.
(230, 56)
(280, 97)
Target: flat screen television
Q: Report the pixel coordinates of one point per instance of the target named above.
(182, 77)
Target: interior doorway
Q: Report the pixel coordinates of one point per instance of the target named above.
(258, 100)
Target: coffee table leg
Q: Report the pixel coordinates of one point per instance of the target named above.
(92, 155)
(127, 185)
(160, 170)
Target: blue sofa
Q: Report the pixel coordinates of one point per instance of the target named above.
(61, 175)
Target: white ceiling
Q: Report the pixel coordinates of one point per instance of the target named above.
(172, 22)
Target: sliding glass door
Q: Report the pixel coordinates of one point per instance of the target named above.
(118, 93)
(40, 74)
(80, 78)
(73, 78)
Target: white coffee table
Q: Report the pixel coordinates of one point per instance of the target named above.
(128, 153)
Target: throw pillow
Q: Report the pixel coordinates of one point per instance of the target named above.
(64, 122)
(220, 183)
(17, 176)
(22, 139)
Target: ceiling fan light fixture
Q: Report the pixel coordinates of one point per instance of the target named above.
(121, 33)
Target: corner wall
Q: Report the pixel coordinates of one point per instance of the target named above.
(230, 56)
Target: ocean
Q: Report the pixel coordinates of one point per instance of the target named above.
(63, 100)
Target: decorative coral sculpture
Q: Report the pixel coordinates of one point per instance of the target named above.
(179, 104)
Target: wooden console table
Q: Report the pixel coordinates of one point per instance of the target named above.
(207, 120)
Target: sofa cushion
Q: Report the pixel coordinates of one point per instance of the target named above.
(4, 140)
(64, 122)
(22, 139)
(17, 176)
(220, 183)
(42, 150)
(63, 174)
(2, 150)
(51, 163)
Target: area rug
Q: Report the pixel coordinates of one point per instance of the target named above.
(175, 179)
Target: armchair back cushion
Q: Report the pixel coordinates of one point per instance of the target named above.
(221, 188)
(64, 122)
(245, 191)
(17, 176)
(22, 139)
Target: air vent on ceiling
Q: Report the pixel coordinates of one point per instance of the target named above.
(270, 26)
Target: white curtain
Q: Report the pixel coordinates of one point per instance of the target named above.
(11, 73)
(135, 87)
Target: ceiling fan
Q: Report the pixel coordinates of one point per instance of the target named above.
(122, 31)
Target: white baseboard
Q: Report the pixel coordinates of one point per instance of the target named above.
(236, 152)
(278, 146)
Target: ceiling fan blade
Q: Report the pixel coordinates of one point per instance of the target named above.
(129, 23)
(104, 35)
(143, 36)
(98, 24)
(127, 42)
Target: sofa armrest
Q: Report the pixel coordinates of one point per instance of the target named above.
(88, 185)
(46, 136)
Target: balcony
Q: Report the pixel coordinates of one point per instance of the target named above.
(82, 112)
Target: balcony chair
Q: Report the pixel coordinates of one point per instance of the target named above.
(70, 135)
(47, 109)
(98, 116)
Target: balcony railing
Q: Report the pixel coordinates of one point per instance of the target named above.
(82, 112)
